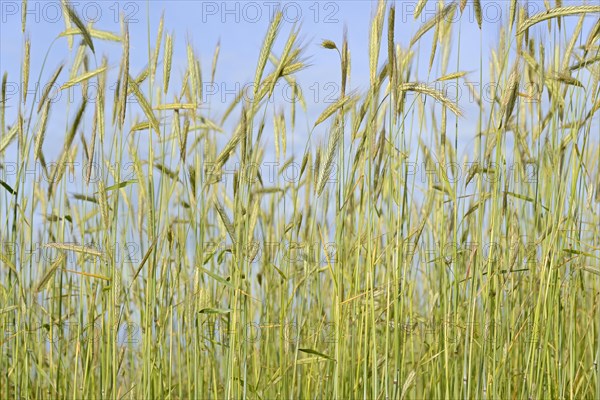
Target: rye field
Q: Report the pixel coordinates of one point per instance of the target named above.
(396, 241)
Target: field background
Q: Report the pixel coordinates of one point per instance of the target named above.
(300, 200)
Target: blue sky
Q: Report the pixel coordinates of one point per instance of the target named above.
(240, 28)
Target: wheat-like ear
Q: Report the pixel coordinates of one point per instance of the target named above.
(229, 147)
(183, 140)
(225, 219)
(283, 133)
(574, 38)
(584, 63)
(232, 106)
(174, 175)
(329, 157)
(266, 50)
(556, 12)
(512, 12)
(215, 60)
(125, 76)
(565, 78)
(345, 61)
(168, 57)
(82, 78)
(328, 44)
(20, 130)
(291, 65)
(23, 15)
(145, 259)
(139, 172)
(433, 21)
(87, 38)
(81, 249)
(285, 60)
(8, 138)
(49, 87)
(454, 75)
(391, 58)
(303, 165)
(176, 106)
(67, 23)
(193, 71)
(254, 217)
(92, 147)
(39, 140)
(276, 136)
(328, 112)
(434, 43)
(94, 33)
(143, 75)
(154, 62)
(375, 41)
(46, 277)
(145, 105)
(407, 384)
(477, 9)
(593, 37)
(419, 8)
(101, 100)
(509, 95)
(26, 60)
(437, 95)
(103, 204)
(316, 164)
